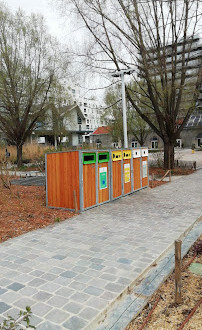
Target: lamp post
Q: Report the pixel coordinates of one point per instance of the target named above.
(121, 73)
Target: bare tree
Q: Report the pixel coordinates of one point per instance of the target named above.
(159, 39)
(113, 113)
(28, 64)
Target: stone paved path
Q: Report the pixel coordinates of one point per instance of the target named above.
(70, 273)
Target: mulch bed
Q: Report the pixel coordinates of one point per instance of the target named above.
(176, 171)
(167, 315)
(23, 209)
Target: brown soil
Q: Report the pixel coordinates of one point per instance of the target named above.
(160, 172)
(167, 315)
(156, 183)
(176, 171)
(23, 209)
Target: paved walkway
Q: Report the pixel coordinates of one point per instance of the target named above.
(72, 272)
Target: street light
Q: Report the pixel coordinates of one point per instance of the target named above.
(121, 73)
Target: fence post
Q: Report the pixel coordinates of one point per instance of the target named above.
(170, 176)
(178, 275)
(152, 179)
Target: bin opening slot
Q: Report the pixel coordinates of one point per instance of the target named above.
(103, 158)
(88, 158)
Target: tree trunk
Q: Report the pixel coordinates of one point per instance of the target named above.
(168, 156)
(19, 155)
(55, 142)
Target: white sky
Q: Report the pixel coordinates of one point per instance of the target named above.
(54, 22)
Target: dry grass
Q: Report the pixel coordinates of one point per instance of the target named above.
(32, 152)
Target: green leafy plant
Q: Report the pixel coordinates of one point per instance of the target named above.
(11, 324)
(57, 219)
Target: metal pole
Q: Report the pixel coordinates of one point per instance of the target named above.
(124, 111)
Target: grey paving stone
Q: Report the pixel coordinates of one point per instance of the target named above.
(36, 273)
(124, 261)
(97, 266)
(36, 282)
(56, 270)
(15, 286)
(93, 291)
(80, 297)
(59, 257)
(88, 313)
(50, 287)
(10, 297)
(74, 323)
(77, 286)
(57, 316)
(107, 295)
(79, 269)
(28, 291)
(65, 292)
(42, 296)
(13, 312)
(82, 278)
(46, 325)
(109, 277)
(23, 302)
(4, 307)
(73, 308)
(2, 291)
(57, 301)
(62, 280)
(24, 278)
(119, 236)
(68, 274)
(5, 282)
(40, 309)
(96, 302)
(114, 287)
(49, 277)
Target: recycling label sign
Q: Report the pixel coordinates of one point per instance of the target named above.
(144, 169)
(103, 177)
(127, 173)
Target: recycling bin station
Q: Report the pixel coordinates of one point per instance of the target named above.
(137, 181)
(127, 172)
(79, 180)
(145, 170)
(116, 174)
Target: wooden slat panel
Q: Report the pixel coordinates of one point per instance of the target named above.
(136, 173)
(103, 193)
(127, 185)
(145, 180)
(63, 179)
(89, 185)
(116, 179)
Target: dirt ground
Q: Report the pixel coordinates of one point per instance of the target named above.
(158, 173)
(23, 209)
(167, 315)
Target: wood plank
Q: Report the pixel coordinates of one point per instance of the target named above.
(136, 173)
(145, 180)
(116, 179)
(89, 185)
(103, 194)
(127, 185)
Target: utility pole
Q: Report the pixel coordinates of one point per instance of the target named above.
(121, 73)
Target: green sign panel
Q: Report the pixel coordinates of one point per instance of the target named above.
(103, 177)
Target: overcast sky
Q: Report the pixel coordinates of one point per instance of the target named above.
(45, 7)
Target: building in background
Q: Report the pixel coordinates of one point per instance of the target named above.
(192, 132)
